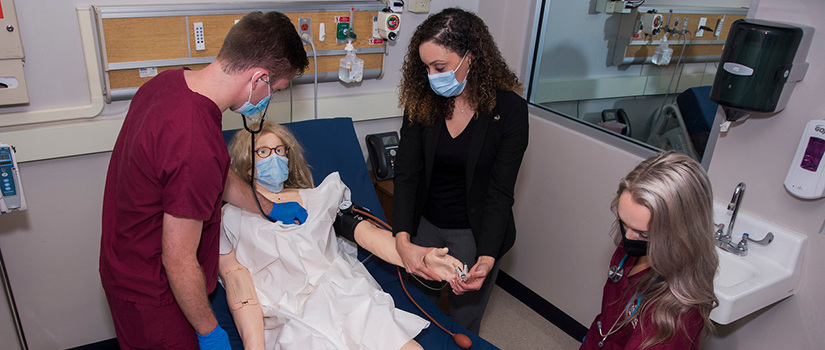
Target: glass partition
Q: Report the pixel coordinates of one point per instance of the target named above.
(640, 72)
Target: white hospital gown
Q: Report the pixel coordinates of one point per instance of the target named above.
(314, 292)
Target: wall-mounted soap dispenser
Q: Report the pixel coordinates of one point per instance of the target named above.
(12, 81)
(760, 65)
(806, 177)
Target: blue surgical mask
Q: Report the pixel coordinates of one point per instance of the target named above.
(445, 84)
(248, 108)
(271, 172)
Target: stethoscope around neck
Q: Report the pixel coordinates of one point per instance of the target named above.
(252, 150)
(616, 272)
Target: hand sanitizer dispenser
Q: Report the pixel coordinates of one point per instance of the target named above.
(663, 53)
(806, 178)
(350, 68)
(760, 65)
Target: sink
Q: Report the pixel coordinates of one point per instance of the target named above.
(766, 275)
(736, 271)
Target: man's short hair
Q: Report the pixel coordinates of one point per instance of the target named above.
(268, 40)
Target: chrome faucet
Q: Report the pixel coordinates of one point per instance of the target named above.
(735, 201)
(723, 238)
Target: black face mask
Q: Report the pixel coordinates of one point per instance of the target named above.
(632, 247)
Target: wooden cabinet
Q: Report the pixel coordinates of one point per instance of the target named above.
(384, 191)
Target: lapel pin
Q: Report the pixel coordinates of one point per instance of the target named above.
(496, 118)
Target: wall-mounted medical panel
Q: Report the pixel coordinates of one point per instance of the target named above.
(138, 42)
(635, 44)
(12, 81)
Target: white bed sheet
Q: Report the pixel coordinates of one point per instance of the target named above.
(314, 292)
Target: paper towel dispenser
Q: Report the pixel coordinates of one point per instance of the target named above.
(760, 65)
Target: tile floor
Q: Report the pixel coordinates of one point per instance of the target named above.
(509, 324)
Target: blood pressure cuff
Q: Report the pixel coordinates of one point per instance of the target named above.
(347, 220)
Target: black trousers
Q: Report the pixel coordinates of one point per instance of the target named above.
(466, 309)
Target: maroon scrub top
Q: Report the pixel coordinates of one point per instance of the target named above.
(616, 296)
(170, 157)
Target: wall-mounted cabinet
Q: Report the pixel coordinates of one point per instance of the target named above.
(12, 81)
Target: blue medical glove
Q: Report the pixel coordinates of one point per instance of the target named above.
(288, 212)
(215, 340)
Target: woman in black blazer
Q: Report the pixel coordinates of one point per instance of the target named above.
(462, 141)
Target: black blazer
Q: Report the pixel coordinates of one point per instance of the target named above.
(497, 147)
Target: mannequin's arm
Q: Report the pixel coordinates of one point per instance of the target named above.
(381, 243)
(243, 301)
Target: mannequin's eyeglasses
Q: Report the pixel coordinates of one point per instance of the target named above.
(264, 152)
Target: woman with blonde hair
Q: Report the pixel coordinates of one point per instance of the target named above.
(292, 284)
(659, 292)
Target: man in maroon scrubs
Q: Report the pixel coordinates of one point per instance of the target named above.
(166, 179)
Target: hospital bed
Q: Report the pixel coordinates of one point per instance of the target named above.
(331, 145)
(685, 126)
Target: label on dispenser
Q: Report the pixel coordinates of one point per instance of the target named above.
(737, 69)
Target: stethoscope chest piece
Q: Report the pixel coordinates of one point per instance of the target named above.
(615, 273)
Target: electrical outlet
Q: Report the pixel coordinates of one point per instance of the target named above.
(699, 30)
(303, 27)
(200, 44)
(418, 6)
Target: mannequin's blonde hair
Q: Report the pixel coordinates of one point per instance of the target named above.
(240, 152)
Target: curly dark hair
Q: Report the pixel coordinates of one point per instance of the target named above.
(268, 40)
(459, 31)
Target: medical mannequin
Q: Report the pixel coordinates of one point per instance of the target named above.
(659, 291)
(289, 181)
